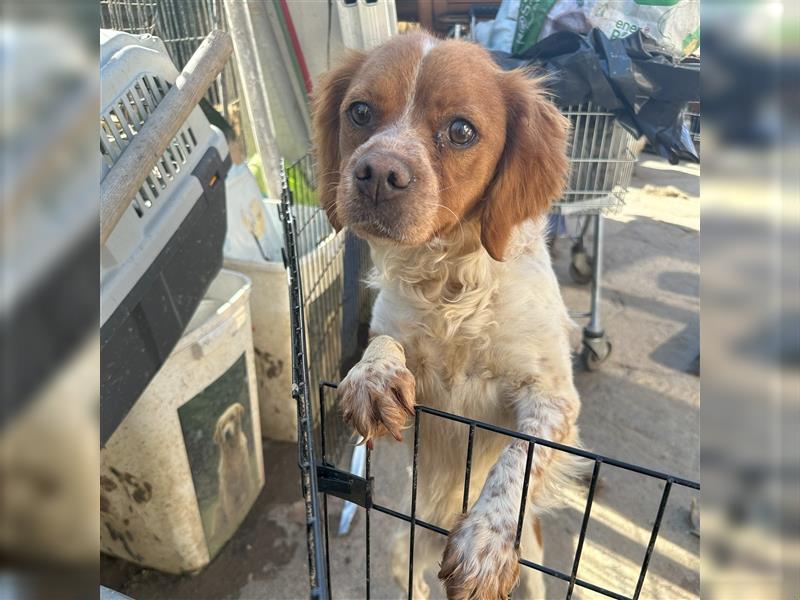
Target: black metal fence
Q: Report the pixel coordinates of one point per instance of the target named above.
(317, 456)
(336, 303)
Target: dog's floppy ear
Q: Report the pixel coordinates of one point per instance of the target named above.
(533, 168)
(326, 109)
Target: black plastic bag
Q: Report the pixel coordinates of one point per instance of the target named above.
(645, 89)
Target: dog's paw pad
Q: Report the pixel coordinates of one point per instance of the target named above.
(377, 397)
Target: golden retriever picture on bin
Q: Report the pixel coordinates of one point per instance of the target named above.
(217, 427)
(234, 469)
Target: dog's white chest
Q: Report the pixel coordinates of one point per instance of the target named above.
(447, 350)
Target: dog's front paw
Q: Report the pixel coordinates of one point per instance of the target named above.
(377, 396)
(480, 560)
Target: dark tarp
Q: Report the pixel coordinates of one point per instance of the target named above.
(645, 88)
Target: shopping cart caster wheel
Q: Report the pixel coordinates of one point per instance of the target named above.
(578, 276)
(594, 353)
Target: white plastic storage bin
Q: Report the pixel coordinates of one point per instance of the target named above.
(185, 466)
(322, 266)
(271, 342)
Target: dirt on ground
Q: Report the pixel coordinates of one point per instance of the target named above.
(641, 407)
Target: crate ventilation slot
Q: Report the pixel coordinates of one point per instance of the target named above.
(125, 119)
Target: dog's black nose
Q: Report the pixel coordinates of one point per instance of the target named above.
(382, 176)
(228, 434)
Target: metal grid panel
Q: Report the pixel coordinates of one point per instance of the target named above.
(601, 155)
(321, 478)
(598, 461)
(336, 303)
(300, 394)
(182, 25)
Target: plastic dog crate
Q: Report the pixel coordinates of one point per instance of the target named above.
(166, 249)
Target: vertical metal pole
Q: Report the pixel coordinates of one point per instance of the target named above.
(584, 527)
(325, 496)
(368, 475)
(253, 78)
(305, 436)
(413, 507)
(524, 498)
(653, 537)
(594, 326)
(468, 469)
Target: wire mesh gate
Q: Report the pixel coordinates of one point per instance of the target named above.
(336, 308)
(321, 478)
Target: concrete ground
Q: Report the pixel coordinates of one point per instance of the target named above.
(642, 407)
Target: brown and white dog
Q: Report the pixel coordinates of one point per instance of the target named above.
(234, 470)
(447, 166)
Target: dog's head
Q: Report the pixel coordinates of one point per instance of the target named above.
(421, 133)
(229, 425)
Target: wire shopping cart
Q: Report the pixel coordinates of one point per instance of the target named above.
(602, 155)
(322, 478)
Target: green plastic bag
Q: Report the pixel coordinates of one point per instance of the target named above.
(673, 24)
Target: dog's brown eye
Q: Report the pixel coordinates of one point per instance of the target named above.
(361, 113)
(461, 132)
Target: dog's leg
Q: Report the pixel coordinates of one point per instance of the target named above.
(531, 581)
(377, 396)
(427, 548)
(480, 560)
(432, 507)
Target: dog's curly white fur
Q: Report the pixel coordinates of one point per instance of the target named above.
(494, 347)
